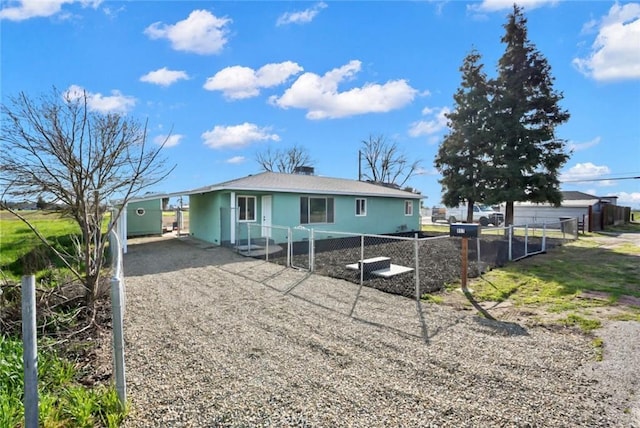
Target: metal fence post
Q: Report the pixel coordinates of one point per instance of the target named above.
(416, 252)
(312, 245)
(416, 256)
(544, 237)
(30, 351)
(118, 342)
(361, 266)
(117, 315)
(289, 245)
(510, 242)
(268, 238)
(478, 253)
(249, 238)
(526, 239)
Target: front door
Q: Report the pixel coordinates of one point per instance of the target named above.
(266, 216)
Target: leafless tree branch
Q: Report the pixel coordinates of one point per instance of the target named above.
(55, 146)
(286, 160)
(385, 163)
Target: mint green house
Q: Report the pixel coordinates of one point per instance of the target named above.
(221, 213)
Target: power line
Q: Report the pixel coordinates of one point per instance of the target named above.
(584, 180)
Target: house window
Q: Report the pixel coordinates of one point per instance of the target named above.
(316, 210)
(247, 208)
(361, 207)
(408, 207)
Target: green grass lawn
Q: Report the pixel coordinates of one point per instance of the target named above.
(583, 282)
(17, 239)
(22, 248)
(584, 278)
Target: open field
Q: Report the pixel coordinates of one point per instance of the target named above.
(21, 247)
(17, 239)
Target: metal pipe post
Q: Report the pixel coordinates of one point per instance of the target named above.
(510, 242)
(118, 341)
(30, 351)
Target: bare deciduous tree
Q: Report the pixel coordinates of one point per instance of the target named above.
(285, 160)
(386, 163)
(57, 147)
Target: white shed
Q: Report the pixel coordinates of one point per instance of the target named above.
(583, 206)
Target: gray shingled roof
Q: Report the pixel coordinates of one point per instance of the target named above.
(572, 195)
(313, 184)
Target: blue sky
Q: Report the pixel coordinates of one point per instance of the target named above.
(230, 79)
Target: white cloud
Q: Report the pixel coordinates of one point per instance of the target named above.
(114, 103)
(26, 9)
(237, 136)
(435, 124)
(629, 199)
(202, 33)
(585, 172)
(168, 140)
(615, 53)
(236, 160)
(577, 147)
(163, 76)
(301, 17)
(113, 12)
(320, 96)
(239, 82)
(500, 5)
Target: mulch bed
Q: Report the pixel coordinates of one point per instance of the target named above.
(439, 261)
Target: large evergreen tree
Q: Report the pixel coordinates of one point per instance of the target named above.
(462, 156)
(527, 155)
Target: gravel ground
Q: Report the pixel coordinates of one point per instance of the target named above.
(215, 339)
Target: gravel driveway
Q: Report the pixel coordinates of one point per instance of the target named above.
(214, 339)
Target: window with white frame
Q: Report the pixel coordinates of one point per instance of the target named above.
(246, 208)
(408, 207)
(361, 207)
(316, 210)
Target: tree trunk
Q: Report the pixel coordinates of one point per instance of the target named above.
(470, 211)
(508, 214)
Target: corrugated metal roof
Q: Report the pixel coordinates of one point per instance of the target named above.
(312, 184)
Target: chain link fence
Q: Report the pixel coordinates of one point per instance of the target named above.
(409, 265)
(268, 243)
(499, 245)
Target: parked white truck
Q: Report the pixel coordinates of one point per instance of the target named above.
(483, 214)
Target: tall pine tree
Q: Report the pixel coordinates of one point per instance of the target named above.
(527, 155)
(462, 155)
